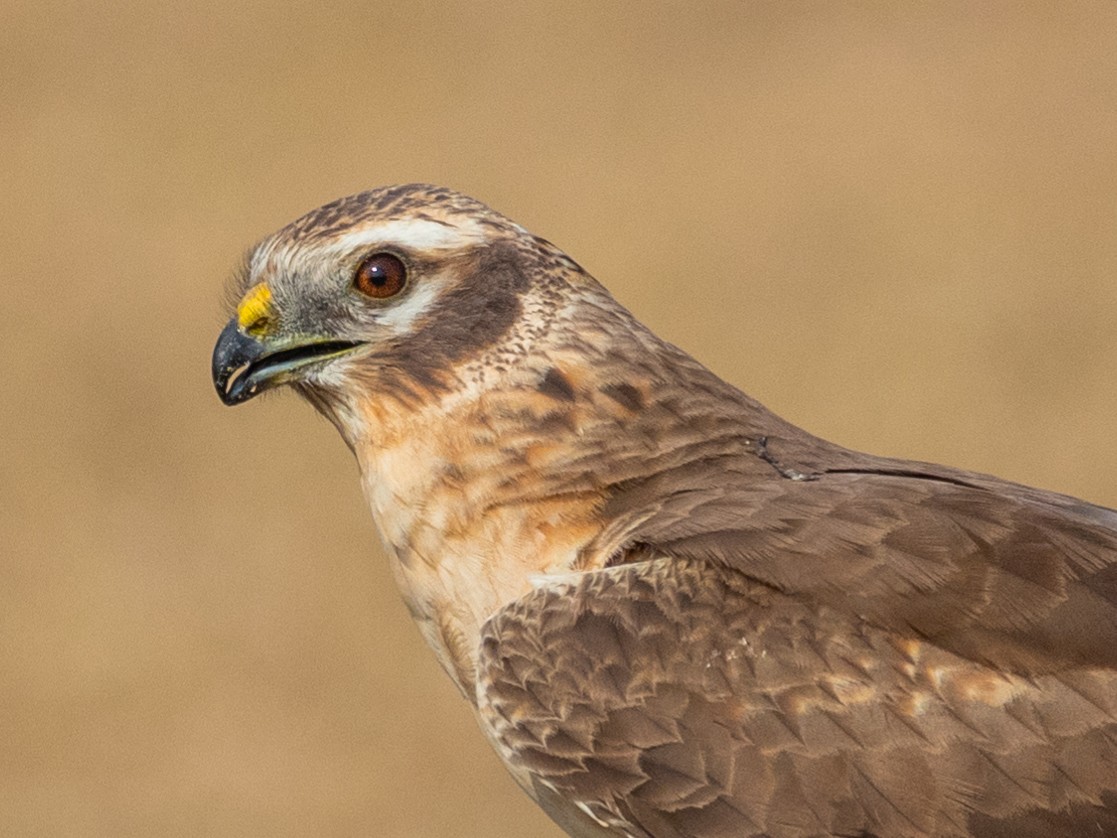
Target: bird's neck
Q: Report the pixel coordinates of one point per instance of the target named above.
(475, 499)
(500, 481)
(495, 481)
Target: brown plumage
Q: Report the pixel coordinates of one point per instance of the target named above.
(674, 613)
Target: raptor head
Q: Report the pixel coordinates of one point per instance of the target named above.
(400, 288)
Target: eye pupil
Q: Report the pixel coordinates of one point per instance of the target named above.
(380, 276)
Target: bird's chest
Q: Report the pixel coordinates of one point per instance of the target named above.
(467, 531)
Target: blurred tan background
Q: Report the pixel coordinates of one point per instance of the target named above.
(895, 223)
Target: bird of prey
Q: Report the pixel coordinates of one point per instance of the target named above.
(673, 612)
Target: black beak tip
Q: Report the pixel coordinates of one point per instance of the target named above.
(232, 356)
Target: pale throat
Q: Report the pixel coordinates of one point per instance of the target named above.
(458, 495)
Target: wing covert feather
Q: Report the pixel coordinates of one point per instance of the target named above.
(679, 697)
(1021, 580)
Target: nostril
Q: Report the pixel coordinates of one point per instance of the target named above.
(259, 326)
(254, 314)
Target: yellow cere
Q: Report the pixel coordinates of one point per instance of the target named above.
(254, 313)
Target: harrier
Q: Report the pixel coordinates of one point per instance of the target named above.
(674, 613)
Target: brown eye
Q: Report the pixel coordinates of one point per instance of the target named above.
(380, 276)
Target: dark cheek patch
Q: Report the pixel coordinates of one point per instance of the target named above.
(467, 320)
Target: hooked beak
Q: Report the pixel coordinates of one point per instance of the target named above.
(245, 365)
